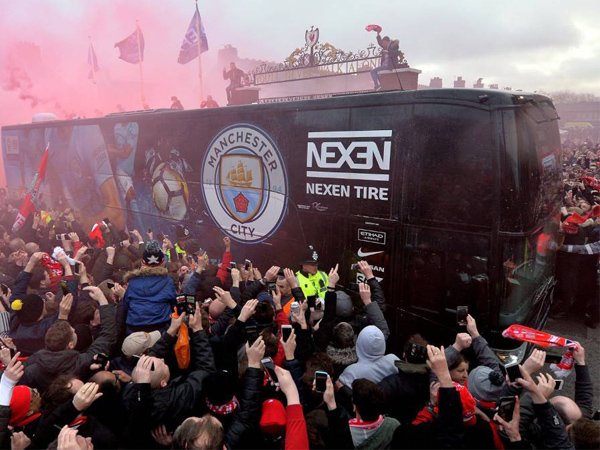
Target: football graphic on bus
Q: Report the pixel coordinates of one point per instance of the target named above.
(169, 192)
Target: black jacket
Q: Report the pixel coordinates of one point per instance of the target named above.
(178, 400)
(246, 418)
(406, 394)
(44, 365)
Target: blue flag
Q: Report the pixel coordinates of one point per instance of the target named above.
(131, 48)
(195, 41)
(92, 61)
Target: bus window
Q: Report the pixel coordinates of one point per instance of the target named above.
(450, 171)
(527, 262)
(531, 168)
(441, 268)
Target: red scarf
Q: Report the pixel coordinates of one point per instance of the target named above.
(223, 410)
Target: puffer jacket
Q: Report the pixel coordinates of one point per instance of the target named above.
(149, 298)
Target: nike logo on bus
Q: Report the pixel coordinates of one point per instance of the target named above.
(362, 254)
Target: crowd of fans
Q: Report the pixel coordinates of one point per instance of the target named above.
(577, 268)
(113, 340)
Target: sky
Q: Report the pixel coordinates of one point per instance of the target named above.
(534, 45)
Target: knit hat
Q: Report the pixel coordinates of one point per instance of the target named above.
(153, 254)
(20, 403)
(273, 418)
(29, 308)
(138, 342)
(486, 384)
(311, 256)
(343, 305)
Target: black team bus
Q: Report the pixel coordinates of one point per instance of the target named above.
(452, 195)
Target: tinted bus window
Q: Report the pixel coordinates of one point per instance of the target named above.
(531, 168)
(443, 268)
(450, 170)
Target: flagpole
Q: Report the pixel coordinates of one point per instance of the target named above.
(92, 68)
(199, 55)
(137, 31)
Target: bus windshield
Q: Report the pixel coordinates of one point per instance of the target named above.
(531, 192)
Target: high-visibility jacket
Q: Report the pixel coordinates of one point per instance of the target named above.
(313, 284)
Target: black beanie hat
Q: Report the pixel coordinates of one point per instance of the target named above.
(220, 387)
(28, 308)
(153, 254)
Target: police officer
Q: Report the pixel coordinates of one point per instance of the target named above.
(311, 280)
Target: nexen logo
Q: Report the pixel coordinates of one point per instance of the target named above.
(332, 153)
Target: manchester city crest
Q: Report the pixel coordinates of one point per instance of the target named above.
(244, 184)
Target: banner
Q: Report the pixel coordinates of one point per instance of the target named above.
(131, 48)
(28, 205)
(195, 41)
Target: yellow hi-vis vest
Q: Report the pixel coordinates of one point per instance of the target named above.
(313, 284)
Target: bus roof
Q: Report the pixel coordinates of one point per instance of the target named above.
(485, 98)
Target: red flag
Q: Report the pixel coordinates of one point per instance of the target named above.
(537, 337)
(28, 205)
(594, 183)
(373, 27)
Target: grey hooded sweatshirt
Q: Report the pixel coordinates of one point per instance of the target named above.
(372, 363)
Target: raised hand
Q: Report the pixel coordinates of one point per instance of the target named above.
(248, 310)
(141, 372)
(14, 369)
(333, 276)
(195, 320)
(365, 269)
(96, 294)
(290, 277)
(462, 341)
(255, 352)
(64, 308)
(365, 293)
(535, 361)
(86, 395)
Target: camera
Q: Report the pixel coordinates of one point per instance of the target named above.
(416, 354)
(354, 266)
(186, 304)
(286, 331)
(251, 334)
(247, 264)
(232, 265)
(64, 287)
(461, 315)
(321, 381)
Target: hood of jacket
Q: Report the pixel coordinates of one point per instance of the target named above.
(370, 343)
(342, 356)
(145, 271)
(47, 364)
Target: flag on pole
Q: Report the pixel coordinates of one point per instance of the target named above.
(131, 48)
(195, 41)
(29, 202)
(92, 61)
